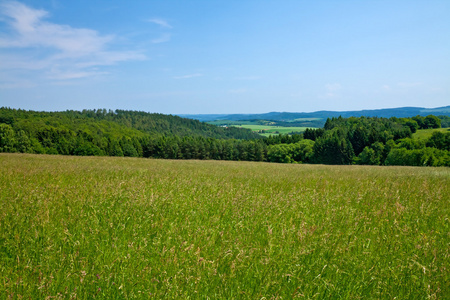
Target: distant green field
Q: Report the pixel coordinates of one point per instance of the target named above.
(121, 228)
(230, 123)
(272, 130)
(305, 119)
(423, 134)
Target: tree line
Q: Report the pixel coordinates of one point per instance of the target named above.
(362, 140)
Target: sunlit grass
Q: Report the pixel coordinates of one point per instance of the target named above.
(425, 134)
(272, 130)
(114, 228)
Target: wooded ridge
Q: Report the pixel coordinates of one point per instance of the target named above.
(354, 140)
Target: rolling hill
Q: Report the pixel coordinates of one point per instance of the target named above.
(118, 123)
(401, 112)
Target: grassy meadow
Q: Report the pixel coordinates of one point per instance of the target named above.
(123, 228)
(272, 130)
(425, 134)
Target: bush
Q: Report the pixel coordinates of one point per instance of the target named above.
(418, 157)
(439, 140)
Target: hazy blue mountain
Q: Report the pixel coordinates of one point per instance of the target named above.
(400, 112)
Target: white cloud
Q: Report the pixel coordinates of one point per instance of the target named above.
(62, 75)
(188, 76)
(161, 22)
(165, 37)
(162, 39)
(402, 87)
(8, 83)
(35, 44)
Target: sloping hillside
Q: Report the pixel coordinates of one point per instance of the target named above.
(102, 132)
(117, 123)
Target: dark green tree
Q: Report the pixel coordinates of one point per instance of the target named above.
(439, 140)
(23, 142)
(281, 153)
(432, 122)
(114, 148)
(7, 138)
(333, 148)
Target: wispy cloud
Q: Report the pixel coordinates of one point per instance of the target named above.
(57, 51)
(403, 86)
(7, 83)
(62, 75)
(162, 39)
(188, 76)
(160, 22)
(165, 36)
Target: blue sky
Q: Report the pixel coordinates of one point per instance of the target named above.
(190, 57)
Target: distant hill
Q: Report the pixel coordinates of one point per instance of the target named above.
(401, 112)
(102, 122)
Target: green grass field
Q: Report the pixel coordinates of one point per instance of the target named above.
(306, 119)
(119, 228)
(230, 123)
(272, 130)
(424, 134)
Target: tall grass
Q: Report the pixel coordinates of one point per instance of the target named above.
(425, 134)
(115, 228)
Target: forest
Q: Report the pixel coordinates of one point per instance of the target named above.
(341, 141)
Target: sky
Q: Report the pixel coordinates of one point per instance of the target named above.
(224, 56)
